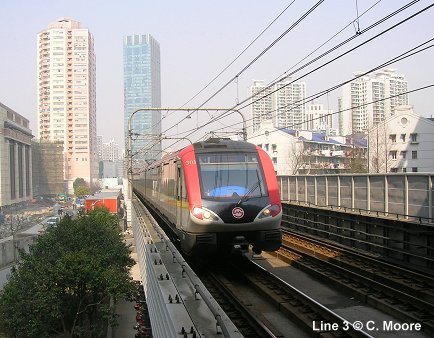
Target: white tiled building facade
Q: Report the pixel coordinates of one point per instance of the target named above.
(357, 115)
(67, 96)
(284, 104)
(319, 119)
(110, 151)
(402, 143)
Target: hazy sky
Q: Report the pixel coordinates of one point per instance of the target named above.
(198, 38)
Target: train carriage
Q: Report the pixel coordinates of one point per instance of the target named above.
(216, 195)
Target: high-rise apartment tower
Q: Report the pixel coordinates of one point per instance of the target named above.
(67, 96)
(365, 100)
(142, 89)
(283, 103)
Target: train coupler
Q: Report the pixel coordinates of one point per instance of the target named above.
(240, 245)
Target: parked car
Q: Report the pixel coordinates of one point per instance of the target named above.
(52, 221)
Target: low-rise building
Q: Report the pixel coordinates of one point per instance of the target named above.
(402, 143)
(306, 152)
(15, 159)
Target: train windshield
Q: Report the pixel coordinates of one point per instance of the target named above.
(230, 176)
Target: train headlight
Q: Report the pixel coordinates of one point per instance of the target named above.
(198, 212)
(269, 211)
(266, 212)
(204, 214)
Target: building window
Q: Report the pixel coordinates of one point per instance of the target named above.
(413, 137)
(392, 137)
(274, 147)
(275, 160)
(393, 170)
(414, 155)
(260, 146)
(403, 137)
(414, 169)
(267, 146)
(403, 154)
(393, 154)
(404, 170)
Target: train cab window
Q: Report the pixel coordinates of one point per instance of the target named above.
(230, 176)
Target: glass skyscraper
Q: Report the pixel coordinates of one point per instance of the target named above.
(142, 89)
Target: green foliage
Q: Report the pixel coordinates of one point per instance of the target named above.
(358, 165)
(79, 182)
(81, 191)
(81, 188)
(63, 286)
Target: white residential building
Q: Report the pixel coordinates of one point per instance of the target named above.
(319, 119)
(67, 96)
(306, 152)
(110, 151)
(282, 103)
(358, 114)
(402, 143)
(99, 146)
(289, 105)
(261, 104)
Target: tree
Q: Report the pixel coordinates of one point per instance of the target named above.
(79, 182)
(379, 146)
(82, 191)
(297, 155)
(64, 285)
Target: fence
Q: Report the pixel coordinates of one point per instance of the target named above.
(407, 194)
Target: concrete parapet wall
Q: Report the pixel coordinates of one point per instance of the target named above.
(405, 195)
(7, 256)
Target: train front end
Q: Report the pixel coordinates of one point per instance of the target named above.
(233, 197)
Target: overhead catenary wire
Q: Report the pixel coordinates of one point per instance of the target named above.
(237, 78)
(363, 105)
(337, 57)
(284, 75)
(369, 103)
(232, 62)
(257, 57)
(221, 115)
(224, 114)
(411, 52)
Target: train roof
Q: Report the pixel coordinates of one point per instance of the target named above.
(209, 146)
(213, 144)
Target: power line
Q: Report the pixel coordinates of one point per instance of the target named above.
(334, 59)
(233, 61)
(257, 57)
(411, 52)
(367, 104)
(224, 114)
(394, 26)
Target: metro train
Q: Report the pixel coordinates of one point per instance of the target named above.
(217, 195)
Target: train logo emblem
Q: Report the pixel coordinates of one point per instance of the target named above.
(237, 212)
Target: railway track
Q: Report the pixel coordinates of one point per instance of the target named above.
(402, 293)
(297, 311)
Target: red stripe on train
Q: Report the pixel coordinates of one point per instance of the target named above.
(270, 177)
(188, 158)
